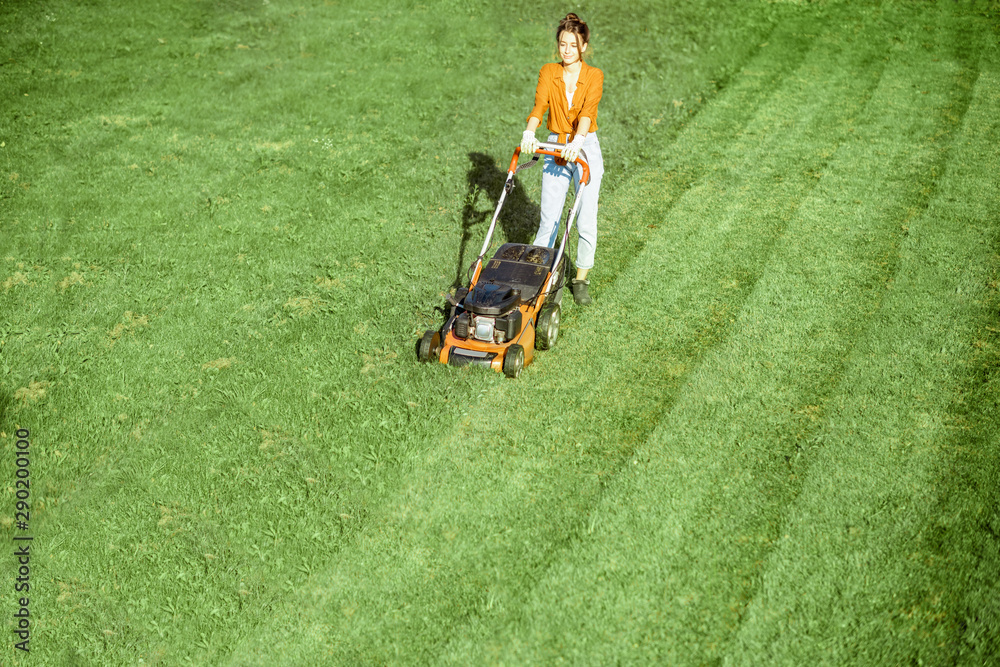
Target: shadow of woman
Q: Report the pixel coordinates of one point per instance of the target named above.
(518, 219)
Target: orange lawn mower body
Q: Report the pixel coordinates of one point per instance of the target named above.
(512, 304)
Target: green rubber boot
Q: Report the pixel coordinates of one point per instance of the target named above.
(579, 288)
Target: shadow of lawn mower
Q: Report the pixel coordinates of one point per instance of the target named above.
(512, 304)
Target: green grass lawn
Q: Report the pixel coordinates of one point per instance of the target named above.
(774, 438)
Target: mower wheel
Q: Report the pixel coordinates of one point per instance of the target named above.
(513, 361)
(429, 345)
(548, 326)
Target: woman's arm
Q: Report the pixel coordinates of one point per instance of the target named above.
(541, 98)
(595, 89)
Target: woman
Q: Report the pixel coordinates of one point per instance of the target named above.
(570, 91)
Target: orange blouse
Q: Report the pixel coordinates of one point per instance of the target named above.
(550, 94)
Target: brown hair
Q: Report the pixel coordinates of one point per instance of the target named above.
(574, 25)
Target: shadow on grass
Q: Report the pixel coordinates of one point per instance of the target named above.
(518, 219)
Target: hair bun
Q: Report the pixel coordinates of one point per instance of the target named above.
(573, 24)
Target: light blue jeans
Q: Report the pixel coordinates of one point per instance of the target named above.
(555, 186)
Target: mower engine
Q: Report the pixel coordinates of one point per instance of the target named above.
(491, 314)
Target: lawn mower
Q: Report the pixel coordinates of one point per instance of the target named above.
(512, 304)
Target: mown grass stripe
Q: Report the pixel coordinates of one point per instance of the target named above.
(896, 514)
(677, 166)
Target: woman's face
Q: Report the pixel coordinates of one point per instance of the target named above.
(569, 49)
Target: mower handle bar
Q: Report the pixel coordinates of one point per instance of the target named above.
(554, 149)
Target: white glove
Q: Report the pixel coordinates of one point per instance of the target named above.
(572, 149)
(529, 144)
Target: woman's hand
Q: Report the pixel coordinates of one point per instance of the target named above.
(572, 149)
(529, 144)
